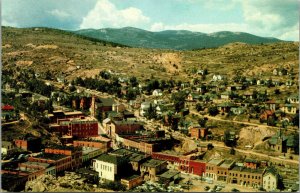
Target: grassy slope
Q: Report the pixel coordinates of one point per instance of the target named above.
(64, 51)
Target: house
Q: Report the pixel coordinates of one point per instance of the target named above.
(110, 167)
(157, 92)
(152, 168)
(118, 107)
(201, 89)
(8, 113)
(265, 115)
(217, 77)
(225, 107)
(226, 95)
(198, 132)
(270, 179)
(248, 95)
(6, 146)
(294, 99)
(271, 104)
(191, 100)
(251, 163)
(238, 110)
(144, 108)
(283, 143)
(290, 108)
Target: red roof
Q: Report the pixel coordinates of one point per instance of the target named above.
(7, 108)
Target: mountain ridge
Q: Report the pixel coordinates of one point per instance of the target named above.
(172, 39)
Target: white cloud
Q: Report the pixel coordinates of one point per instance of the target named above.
(105, 14)
(59, 13)
(275, 18)
(205, 28)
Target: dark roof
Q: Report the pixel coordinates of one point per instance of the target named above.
(65, 147)
(153, 163)
(271, 170)
(51, 156)
(169, 174)
(106, 101)
(249, 160)
(117, 160)
(248, 170)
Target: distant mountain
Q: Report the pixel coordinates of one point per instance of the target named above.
(172, 39)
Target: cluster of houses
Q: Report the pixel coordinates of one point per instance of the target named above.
(139, 154)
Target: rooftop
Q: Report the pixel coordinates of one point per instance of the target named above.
(73, 113)
(169, 174)
(50, 156)
(216, 162)
(131, 177)
(37, 164)
(153, 163)
(117, 160)
(227, 163)
(248, 170)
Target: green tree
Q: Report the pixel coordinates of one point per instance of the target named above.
(198, 107)
(151, 112)
(133, 81)
(202, 121)
(178, 100)
(213, 111)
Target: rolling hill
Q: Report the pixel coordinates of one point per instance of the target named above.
(72, 55)
(172, 39)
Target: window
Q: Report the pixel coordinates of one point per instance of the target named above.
(248, 176)
(225, 173)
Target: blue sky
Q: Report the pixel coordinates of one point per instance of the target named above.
(270, 18)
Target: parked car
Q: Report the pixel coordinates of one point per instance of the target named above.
(206, 188)
(234, 190)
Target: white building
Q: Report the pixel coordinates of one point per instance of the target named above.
(270, 180)
(157, 92)
(144, 107)
(108, 165)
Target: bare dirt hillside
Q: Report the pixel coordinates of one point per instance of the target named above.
(62, 52)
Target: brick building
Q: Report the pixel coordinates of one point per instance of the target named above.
(32, 144)
(183, 163)
(103, 145)
(74, 152)
(59, 114)
(123, 127)
(61, 162)
(198, 132)
(152, 168)
(78, 127)
(246, 176)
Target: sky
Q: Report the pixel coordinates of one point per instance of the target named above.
(267, 18)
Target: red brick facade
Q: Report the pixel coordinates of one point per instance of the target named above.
(184, 163)
(76, 127)
(97, 144)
